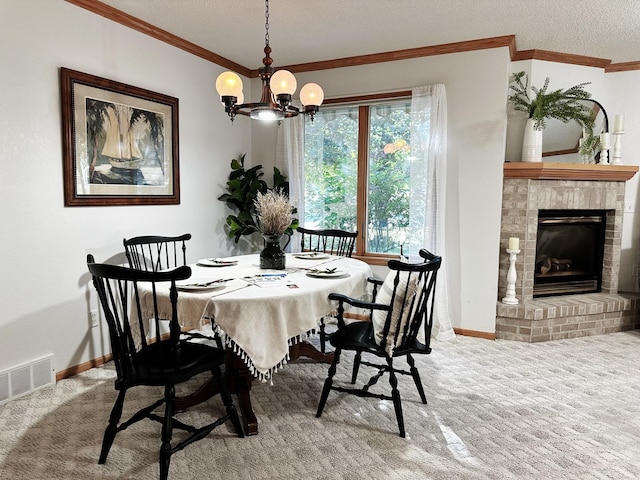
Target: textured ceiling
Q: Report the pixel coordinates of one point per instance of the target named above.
(303, 31)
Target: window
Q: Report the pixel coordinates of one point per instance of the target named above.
(356, 173)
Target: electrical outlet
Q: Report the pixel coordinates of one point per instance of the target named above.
(94, 318)
(628, 207)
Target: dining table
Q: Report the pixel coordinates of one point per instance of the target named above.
(263, 317)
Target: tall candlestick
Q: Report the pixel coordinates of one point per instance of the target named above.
(617, 149)
(604, 147)
(618, 124)
(510, 296)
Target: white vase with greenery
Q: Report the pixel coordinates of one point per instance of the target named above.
(564, 105)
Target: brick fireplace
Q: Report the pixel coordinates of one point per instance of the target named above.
(529, 188)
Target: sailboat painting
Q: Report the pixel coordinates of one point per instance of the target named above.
(126, 144)
(120, 143)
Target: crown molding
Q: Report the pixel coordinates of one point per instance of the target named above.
(622, 67)
(508, 41)
(118, 16)
(409, 53)
(561, 58)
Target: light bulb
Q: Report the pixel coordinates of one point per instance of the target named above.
(283, 81)
(266, 114)
(229, 84)
(311, 95)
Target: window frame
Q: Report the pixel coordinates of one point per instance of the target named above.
(364, 104)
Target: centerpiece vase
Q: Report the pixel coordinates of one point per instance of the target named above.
(272, 255)
(531, 143)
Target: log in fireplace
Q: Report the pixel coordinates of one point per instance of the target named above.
(569, 252)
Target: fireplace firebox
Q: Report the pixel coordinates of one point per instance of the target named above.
(569, 252)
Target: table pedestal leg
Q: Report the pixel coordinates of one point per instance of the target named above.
(238, 379)
(305, 349)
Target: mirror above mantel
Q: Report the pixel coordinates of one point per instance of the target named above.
(559, 140)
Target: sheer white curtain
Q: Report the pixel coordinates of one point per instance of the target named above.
(428, 187)
(290, 161)
(428, 182)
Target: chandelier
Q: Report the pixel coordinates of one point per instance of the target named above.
(278, 88)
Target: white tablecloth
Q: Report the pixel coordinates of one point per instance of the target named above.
(259, 323)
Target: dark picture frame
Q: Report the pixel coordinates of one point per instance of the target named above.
(119, 142)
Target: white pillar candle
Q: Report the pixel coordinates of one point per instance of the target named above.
(604, 140)
(618, 123)
(514, 243)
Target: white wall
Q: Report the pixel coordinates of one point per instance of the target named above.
(45, 292)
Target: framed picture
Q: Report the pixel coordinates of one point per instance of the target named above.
(120, 143)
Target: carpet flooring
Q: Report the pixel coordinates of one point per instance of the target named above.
(566, 409)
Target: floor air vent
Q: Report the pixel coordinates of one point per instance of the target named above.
(26, 378)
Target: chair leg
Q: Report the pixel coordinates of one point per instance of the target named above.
(323, 340)
(328, 382)
(112, 427)
(356, 366)
(395, 394)
(167, 430)
(228, 401)
(416, 378)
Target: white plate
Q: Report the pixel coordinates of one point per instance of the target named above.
(311, 255)
(200, 287)
(322, 273)
(216, 262)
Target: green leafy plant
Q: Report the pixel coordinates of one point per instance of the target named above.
(243, 187)
(590, 143)
(563, 105)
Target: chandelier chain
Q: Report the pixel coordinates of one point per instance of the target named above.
(266, 23)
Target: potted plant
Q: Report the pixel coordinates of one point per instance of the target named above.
(243, 187)
(564, 105)
(274, 217)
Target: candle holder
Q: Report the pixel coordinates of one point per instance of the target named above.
(616, 158)
(604, 156)
(510, 296)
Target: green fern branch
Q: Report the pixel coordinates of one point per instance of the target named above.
(563, 105)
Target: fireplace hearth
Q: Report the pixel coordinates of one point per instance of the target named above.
(569, 221)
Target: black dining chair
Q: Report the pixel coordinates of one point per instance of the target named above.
(401, 317)
(160, 360)
(156, 252)
(333, 241)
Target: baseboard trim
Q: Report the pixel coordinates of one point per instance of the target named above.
(475, 333)
(83, 367)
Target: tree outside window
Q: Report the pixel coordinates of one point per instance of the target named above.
(333, 159)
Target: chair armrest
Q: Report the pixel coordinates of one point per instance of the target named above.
(375, 281)
(354, 302)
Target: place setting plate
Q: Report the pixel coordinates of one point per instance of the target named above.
(216, 262)
(311, 255)
(326, 273)
(203, 286)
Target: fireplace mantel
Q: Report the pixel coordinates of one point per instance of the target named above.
(569, 171)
